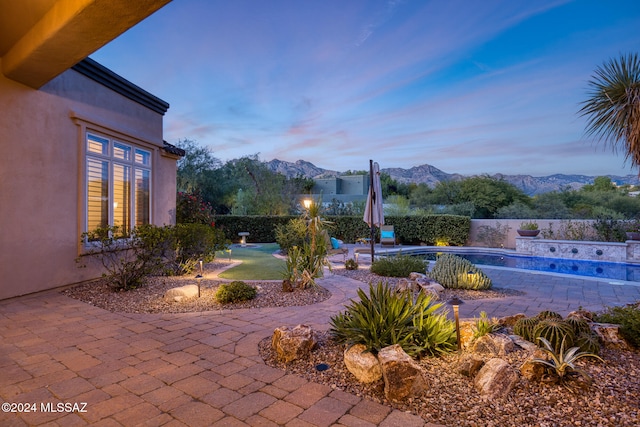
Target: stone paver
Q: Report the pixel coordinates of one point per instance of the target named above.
(203, 369)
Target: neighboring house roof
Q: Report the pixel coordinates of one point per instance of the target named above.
(119, 84)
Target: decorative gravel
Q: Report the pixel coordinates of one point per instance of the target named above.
(451, 400)
(148, 298)
(612, 400)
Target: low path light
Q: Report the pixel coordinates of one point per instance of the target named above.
(456, 303)
(198, 281)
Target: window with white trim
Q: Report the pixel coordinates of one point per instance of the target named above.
(118, 191)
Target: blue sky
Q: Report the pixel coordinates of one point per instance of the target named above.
(470, 87)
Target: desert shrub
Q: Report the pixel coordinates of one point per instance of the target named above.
(609, 229)
(235, 292)
(385, 317)
(628, 318)
(128, 257)
(454, 272)
(293, 233)
(493, 237)
(398, 265)
(571, 230)
(555, 331)
(351, 264)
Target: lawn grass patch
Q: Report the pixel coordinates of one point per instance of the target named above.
(258, 263)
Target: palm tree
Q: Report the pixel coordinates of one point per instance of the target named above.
(613, 106)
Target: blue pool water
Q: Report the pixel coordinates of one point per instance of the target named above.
(604, 270)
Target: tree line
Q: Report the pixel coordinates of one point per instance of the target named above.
(612, 108)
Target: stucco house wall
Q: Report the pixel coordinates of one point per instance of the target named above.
(42, 174)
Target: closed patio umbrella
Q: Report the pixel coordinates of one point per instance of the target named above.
(373, 212)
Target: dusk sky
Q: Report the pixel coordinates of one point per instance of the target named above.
(470, 87)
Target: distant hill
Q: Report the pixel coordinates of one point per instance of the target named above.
(431, 175)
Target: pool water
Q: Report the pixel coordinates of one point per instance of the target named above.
(604, 270)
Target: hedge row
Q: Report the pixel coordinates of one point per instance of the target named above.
(452, 230)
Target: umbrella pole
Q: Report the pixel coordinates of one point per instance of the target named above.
(373, 195)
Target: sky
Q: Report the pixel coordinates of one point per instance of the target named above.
(470, 87)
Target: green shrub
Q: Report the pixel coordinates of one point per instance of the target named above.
(291, 234)
(454, 272)
(385, 317)
(192, 209)
(555, 331)
(628, 318)
(351, 264)
(187, 244)
(398, 265)
(235, 292)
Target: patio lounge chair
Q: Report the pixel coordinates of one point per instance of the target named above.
(334, 246)
(387, 235)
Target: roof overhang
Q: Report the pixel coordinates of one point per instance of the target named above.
(40, 39)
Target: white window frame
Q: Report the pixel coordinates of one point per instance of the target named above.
(140, 159)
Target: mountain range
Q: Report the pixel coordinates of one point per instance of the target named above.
(431, 175)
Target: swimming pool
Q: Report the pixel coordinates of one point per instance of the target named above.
(603, 270)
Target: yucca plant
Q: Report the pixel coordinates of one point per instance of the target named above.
(525, 326)
(433, 333)
(385, 317)
(562, 364)
(554, 331)
(379, 319)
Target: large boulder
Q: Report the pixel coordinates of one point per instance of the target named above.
(403, 377)
(292, 344)
(509, 321)
(524, 344)
(496, 379)
(493, 345)
(531, 370)
(610, 336)
(362, 364)
(181, 293)
(470, 365)
(405, 285)
(466, 332)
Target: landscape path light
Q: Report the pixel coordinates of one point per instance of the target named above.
(456, 303)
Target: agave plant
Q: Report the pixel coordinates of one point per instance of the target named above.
(563, 363)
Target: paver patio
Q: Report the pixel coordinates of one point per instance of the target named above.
(204, 369)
